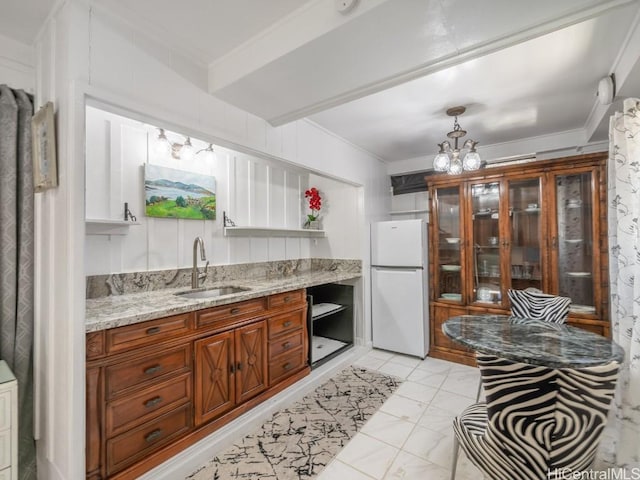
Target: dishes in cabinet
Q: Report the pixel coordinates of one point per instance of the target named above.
(451, 268)
(532, 209)
(582, 309)
(483, 211)
(452, 240)
(574, 203)
(451, 296)
(573, 240)
(579, 274)
(493, 241)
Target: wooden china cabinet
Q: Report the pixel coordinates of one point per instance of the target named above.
(540, 224)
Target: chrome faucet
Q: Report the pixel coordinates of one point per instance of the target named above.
(196, 275)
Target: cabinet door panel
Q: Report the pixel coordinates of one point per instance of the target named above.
(525, 233)
(576, 266)
(214, 372)
(251, 354)
(448, 245)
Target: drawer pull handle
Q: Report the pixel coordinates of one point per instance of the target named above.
(287, 324)
(152, 402)
(287, 299)
(232, 368)
(239, 366)
(286, 345)
(153, 330)
(287, 366)
(153, 369)
(153, 436)
(235, 310)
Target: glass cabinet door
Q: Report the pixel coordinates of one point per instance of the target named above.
(449, 252)
(485, 204)
(574, 241)
(525, 232)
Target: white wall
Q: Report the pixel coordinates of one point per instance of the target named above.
(80, 54)
(16, 64)
(252, 191)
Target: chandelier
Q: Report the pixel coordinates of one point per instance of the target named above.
(450, 159)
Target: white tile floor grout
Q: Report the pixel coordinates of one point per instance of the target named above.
(411, 436)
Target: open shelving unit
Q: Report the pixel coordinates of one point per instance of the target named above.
(331, 324)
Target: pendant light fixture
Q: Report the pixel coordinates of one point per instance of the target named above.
(451, 159)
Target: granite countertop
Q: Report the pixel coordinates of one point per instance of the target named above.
(533, 341)
(118, 310)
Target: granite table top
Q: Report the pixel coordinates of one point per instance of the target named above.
(119, 310)
(532, 341)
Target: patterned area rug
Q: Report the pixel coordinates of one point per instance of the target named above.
(299, 441)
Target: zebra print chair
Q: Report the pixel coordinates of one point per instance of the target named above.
(538, 422)
(532, 303)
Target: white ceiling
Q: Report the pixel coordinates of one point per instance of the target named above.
(382, 75)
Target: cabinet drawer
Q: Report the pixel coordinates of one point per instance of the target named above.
(151, 402)
(286, 298)
(131, 446)
(227, 314)
(286, 322)
(285, 344)
(5, 410)
(286, 365)
(147, 333)
(139, 370)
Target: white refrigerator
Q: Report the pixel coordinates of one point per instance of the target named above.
(399, 300)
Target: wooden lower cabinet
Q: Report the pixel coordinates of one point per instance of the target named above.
(157, 387)
(230, 368)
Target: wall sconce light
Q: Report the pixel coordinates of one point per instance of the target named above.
(179, 151)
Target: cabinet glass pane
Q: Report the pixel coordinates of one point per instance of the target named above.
(485, 198)
(449, 285)
(575, 240)
(525, 232)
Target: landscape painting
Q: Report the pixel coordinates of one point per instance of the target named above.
(174, 193)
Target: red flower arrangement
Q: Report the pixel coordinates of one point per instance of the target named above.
(315, 203)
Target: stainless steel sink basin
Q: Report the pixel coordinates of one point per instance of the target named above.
(212, 292)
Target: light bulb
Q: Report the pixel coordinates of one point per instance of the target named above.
(161, 145)
(471, 161)
(456, 166)
(187, 152)
(441, 162)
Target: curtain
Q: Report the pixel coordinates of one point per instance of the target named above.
(16, 261)
(623, 448)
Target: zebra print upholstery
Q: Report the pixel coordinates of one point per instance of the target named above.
(538, 305)
(538, 422)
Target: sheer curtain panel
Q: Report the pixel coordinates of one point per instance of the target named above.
(623, 447)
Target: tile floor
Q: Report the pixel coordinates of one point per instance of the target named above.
(411, 437)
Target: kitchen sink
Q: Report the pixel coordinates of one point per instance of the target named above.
(212, 292)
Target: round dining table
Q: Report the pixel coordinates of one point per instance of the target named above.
(535, 342)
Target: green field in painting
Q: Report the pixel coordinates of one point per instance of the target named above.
(204, 209)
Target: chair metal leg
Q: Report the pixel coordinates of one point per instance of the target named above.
(479, 391)
(454, 463)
